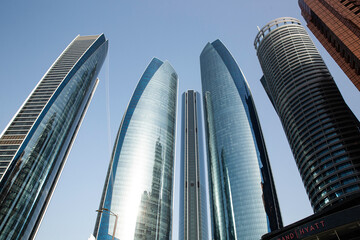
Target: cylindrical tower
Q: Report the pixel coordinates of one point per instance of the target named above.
(323, 133)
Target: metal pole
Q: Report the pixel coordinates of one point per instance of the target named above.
(337, 234)
(116, 219)
(110, 213)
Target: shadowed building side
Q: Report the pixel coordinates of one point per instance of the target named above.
(193, 217)
(323, 133)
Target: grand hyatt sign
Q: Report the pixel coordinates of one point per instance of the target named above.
(304, 231)
(318, 225)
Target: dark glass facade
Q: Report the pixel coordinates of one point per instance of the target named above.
(34, 147)
(323, 133)
(193, 217)
(138, 186)
(243, 199)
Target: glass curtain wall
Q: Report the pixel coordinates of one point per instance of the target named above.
(42, 133)
(243, 199)
(138, 187)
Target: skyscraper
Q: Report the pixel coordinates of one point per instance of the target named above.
(323, 133)
(243, 199)
(138, 186)
(193, 202)
(35, 144)
(336, 24)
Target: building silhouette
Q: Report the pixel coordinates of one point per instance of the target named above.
(336, 24)
(138, 186)
(323, 133)
(193, 217)
(35, 144)
(243, 199)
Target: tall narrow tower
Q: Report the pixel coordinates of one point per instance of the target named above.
(336, 24)
(323, 133)
(138, 186)
(35, 144)
(193, 202)
(243, 199)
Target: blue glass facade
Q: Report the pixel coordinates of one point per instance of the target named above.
(242, 194)
(43, 131)
(138, 186)
(193, 215)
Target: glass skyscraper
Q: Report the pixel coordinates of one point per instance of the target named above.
(243, 199)
(323, 133)
(35, 144)
(138, 186)
(193, 219)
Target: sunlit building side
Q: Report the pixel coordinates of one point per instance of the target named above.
(336, 24)
(139, 182)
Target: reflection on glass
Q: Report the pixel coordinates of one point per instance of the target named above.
(147, 223)
(29, 182)
(242, 193)
(138, 187)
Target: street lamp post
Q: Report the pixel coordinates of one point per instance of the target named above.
(110, 213)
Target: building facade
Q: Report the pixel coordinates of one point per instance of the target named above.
(139, 182)
(338, 222)
(323, 133)
(193, 215)
(336, 24)
(243, 199)
(35, 144)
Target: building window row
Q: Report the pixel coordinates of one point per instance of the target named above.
(7, 147)
(320, 191)
(310, 178)
(335, 195)
(313, 128)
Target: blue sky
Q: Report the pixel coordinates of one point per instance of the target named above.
(34, 33)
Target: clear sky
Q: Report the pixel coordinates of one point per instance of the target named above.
(34, 33)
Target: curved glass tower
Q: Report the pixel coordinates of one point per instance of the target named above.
(243, 199)
(138, 186)
(34, 146)
(193, 215)
(323, 133)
